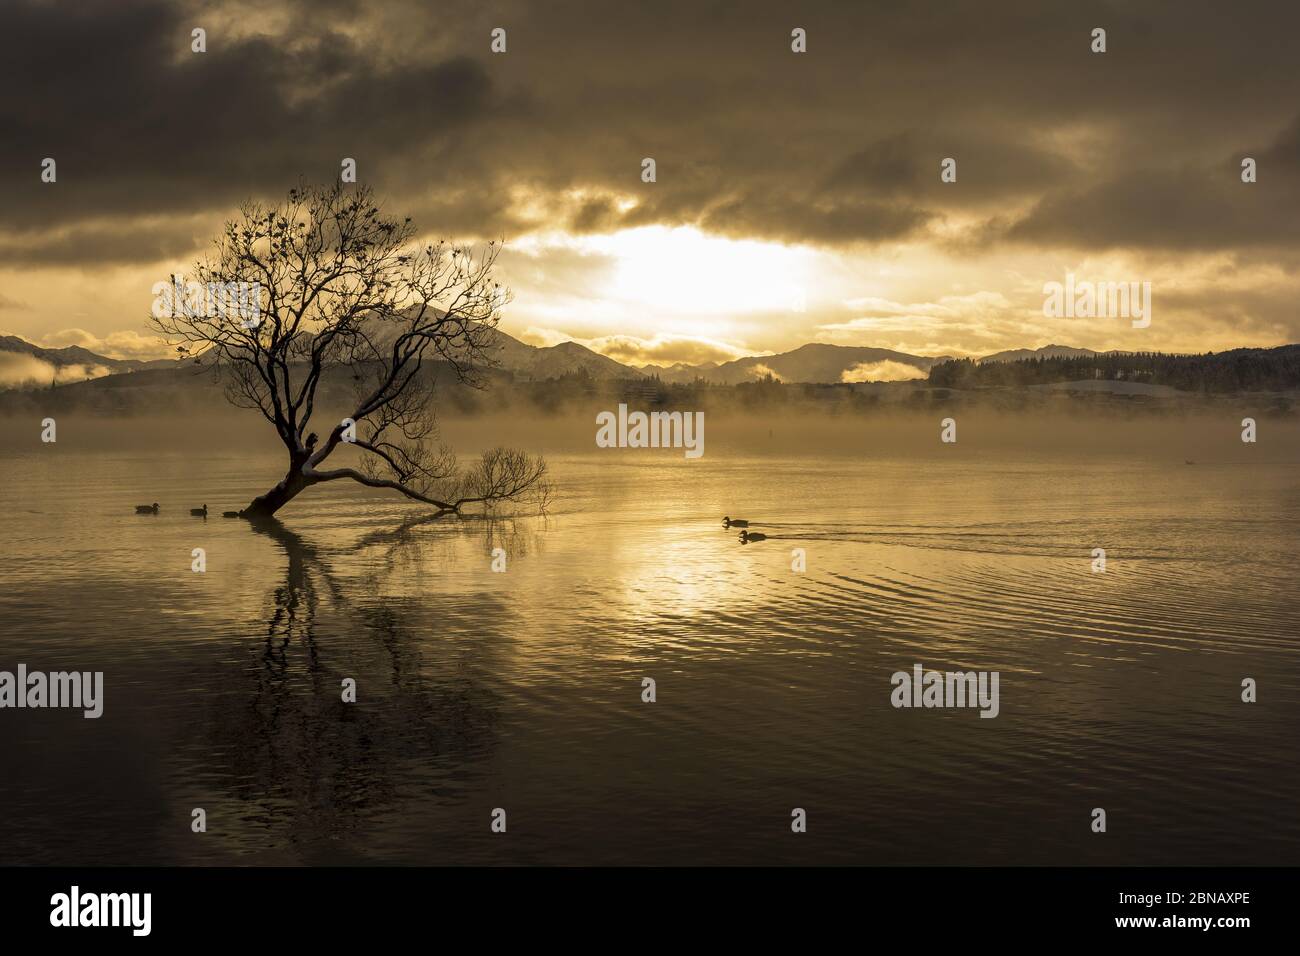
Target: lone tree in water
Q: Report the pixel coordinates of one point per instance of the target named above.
(345, 294)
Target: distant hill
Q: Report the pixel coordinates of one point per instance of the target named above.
(75, 355)
(555, 361)
(1047, 351)
(537, 363)
(819, 363)
(815, 363)
(679, 371)
(23, 364)
(822, 364)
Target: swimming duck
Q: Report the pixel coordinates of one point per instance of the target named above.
(230, 514)
(200, 512)
(734, 522)
(746, 537)
(147, 509)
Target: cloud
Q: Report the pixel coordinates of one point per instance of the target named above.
(544, 338)
(18, 370)
(125, 344)
(665, 349)
(290, 102)
(953, 306)
(961, 318)
(1060, 151)
(882, 372)
(749, 138)
(760, 370)
(1167, 207)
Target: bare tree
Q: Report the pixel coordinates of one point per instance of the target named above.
(339, 291)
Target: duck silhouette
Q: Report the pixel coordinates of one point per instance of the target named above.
(735, 522)
(229, 514)
(200, 512)
(147, 509)
(746, 537)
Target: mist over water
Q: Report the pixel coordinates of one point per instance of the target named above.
(522, 690)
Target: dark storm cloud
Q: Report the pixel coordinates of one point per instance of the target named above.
(142, 127)
(1188, 209)
(104, 242)
(1179, 207)
(1138, 147)
(907, 165)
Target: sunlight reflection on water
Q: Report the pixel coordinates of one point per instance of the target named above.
(522, 690)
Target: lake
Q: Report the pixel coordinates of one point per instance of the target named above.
(522, 689)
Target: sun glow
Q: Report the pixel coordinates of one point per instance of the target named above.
(685, 271)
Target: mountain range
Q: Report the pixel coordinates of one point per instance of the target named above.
(74, 355)
(23, 364)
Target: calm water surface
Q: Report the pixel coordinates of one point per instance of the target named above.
(522, 690)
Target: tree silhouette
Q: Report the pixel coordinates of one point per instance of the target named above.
(1238, 370)
(343, 292)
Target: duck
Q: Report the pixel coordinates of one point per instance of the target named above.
(734, 522)
(746, 537)
(147, 509)
(229, 514)
(200, 512)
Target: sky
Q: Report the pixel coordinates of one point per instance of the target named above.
(797, 196)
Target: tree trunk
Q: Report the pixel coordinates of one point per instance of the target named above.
(293, 483)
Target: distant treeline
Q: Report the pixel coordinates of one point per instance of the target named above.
(1211, 378)
(1240, 370)
(556, 393)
